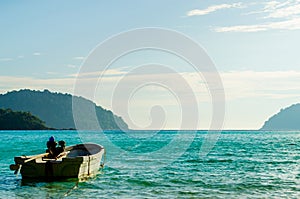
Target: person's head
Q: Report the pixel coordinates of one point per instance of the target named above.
(62, 143)
(51, 139)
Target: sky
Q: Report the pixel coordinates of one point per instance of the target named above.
(254, 45)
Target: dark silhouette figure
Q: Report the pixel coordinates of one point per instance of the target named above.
(61, 148)
(51, 145)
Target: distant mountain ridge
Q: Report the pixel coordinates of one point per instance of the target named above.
(56, 109)
(287, 119)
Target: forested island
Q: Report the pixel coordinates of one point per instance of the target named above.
(55, 109)
(18, 120)
(287, 119)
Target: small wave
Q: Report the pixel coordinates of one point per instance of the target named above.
(209, 161)
(142, 182)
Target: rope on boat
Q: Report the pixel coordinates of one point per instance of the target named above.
(69, 191)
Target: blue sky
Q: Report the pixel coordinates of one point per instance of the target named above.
(254, 45)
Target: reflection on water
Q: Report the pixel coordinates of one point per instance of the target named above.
(33, 188)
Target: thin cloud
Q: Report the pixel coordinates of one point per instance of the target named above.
(276, 9)
(36, 54)
(51, 73)
(287, 12)
(213, 8)
(8, 83)
(237, 84)
(286, 9)
(5, 59)
(97, 74)
(79, 58)
(291, 24)
(71, 66)
(266, 84)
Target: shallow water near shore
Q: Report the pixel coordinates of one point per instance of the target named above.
(241, 164)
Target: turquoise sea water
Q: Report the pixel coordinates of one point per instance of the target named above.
(242, 164)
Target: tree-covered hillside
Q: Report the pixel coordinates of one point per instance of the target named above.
(10, 120)
(56, 108)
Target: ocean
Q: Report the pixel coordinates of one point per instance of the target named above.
(149, 164)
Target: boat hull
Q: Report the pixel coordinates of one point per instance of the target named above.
(82, 161)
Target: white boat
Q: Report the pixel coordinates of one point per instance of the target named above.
(78, 161)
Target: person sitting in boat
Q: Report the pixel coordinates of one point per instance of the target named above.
(61, 148)
(51, 145)
(60, 151)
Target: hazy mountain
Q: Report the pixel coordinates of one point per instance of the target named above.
(56, 109)
(286, 119)
(11, 120)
